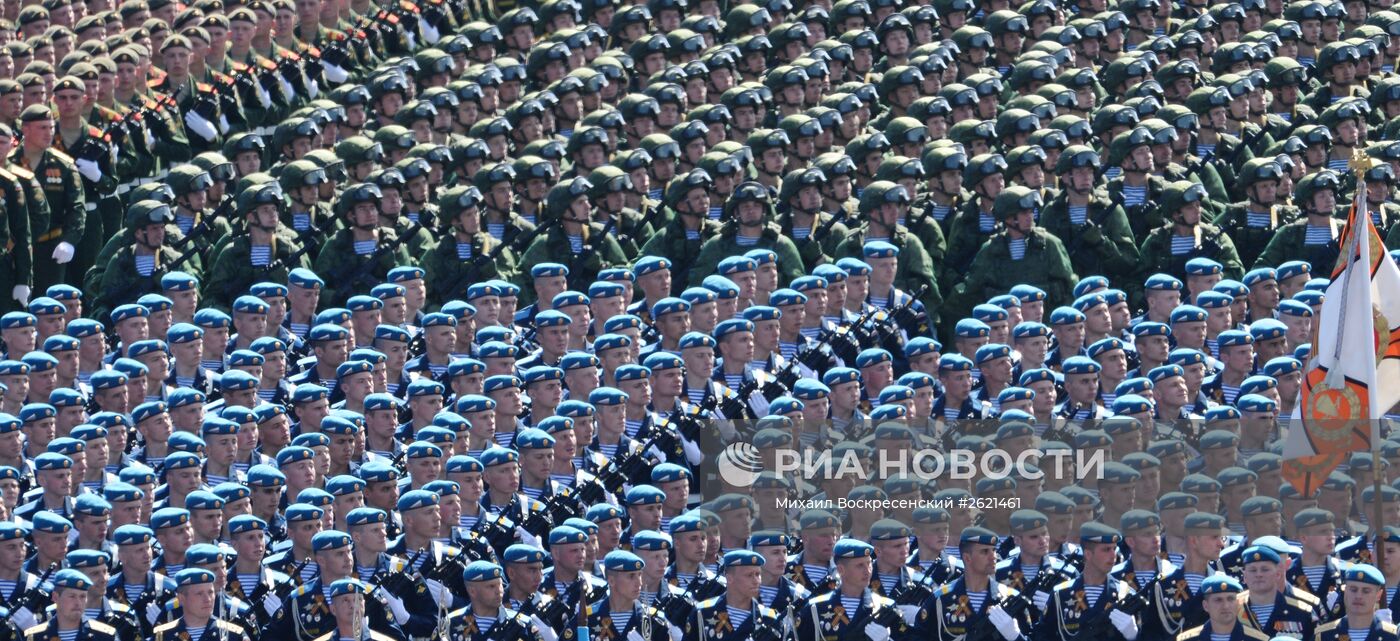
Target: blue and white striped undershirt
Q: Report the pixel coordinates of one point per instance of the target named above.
(364, 247)
(1078, 214)
(801, 233)
(575, 243)
(145, 264)
(497, 230)
(985, 222)
(301, 222)
(1262, 612)
(692, 234)
(1134, 196)
(464, 251)
(745, 241)
(1317, 235)
(1315, 574)
(1183, 244)
(260, 255)
(737, 616)
(1017, 247)
(620, 619)
(1258, 219)
(940, 212)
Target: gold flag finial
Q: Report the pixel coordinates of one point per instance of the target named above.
(1360, 164)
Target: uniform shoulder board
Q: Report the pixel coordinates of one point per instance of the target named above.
(5, 174)
(154, 81)
(710, 602)
(22, 172)
(94, 131)
(120, 608)
(300, 591)
(374, 636)
(946, 589)
(1388, 627)
(1190, 634)
(203, 87)
(35, 629)
(770, 613)
(1300, 603)
(230, 626)
(1330, 625)
(1063, 585)
(165, 627)
(60, 155)
(104, 628)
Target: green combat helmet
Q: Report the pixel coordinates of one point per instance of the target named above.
(1014, 200)
(148, 212)
(301, 173)
(879, 193)
(1075, 156)
(683, 183)
(455, 200)
(1257, 170)
(353, 195)
(254, 196)
(562, 196)
(186, 179)
(980, 167)
(1180, 193)
(1123, 144)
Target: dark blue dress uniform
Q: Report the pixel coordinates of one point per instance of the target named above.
(825, 617)
(949, 613)
(712, 622)
(464, 625)
(1294, 613)
(88, 629)
(1240, 632)
(1338, 631)
(645, 620)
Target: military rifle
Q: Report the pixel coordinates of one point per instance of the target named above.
(203, 226)
(30, 598)
(819, 233)
(280, 589)
(1100, 626)
(476, 263)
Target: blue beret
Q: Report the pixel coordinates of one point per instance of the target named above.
(329, 540)
(622, 561)
(70, 578)
(479, 571)
(743, 558)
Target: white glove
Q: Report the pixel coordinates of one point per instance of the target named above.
(1007, 626)
(429, 33)
(287, 89)
(526, 537)
(264, 98)
(1332, 600)
(441, 594)
(546, 632)
(88, 169)
(412, 40)
(150, 137)
(1041, 599)
(21, 294)
(334, 73)
(63, 252)
(692, 451)
(272, 604)
(674, 632)
(152, 612)
(223, 124)
(910, 612)
(1384, 614)
(632, 635)
(199, 126)
(396, 606)
(24, 618)
(877, 632)
(1126, 624)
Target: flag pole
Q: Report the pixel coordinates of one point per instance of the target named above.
(1361, 163)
